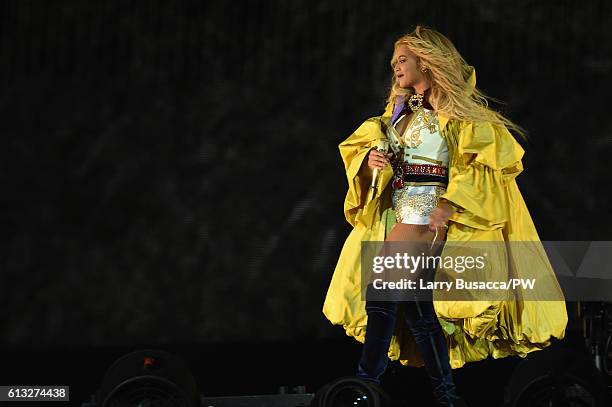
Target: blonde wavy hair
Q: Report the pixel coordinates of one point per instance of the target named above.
(448, 74)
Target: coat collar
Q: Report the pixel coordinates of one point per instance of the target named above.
(442, 120)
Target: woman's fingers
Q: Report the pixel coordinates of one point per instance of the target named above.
(434, 223)
(376, 163)
(437, 220)
(377, 160)
(379, 155)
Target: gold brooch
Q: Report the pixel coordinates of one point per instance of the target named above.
(415, 102)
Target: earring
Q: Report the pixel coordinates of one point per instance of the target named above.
(423, 69)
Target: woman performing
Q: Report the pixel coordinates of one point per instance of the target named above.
(449, 177)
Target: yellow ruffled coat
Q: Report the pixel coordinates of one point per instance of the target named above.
(484, 162)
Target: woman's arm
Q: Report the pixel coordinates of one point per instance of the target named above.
(355, 151)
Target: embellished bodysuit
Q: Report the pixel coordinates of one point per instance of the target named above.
(420, 166)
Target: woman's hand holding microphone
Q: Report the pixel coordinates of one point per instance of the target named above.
(378, 160)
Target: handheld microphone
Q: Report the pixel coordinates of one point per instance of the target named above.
(383, 147)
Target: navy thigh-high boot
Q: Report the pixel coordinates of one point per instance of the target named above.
(374, 354)
(423, 322)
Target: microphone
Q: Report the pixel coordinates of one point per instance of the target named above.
(383, 147)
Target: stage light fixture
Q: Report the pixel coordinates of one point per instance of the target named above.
(151, 378)
(351, 392)
(556, 377)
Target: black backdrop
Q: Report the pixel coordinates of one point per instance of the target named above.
(171, 171)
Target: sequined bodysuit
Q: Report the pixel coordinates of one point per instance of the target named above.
(420, 166)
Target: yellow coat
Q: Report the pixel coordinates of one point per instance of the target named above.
(484, 162)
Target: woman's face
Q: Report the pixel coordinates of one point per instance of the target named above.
(406, 71)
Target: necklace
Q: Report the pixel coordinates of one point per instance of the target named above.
(415, 102)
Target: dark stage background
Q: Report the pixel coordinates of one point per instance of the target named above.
(171, 170)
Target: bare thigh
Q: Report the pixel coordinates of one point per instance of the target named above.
(414, 233)
(411, 240)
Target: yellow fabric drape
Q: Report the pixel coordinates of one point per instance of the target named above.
(485, 160)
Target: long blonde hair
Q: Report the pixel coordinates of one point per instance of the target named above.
(451, 92)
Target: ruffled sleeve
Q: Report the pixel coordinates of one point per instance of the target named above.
(353, 151)
(487, 156)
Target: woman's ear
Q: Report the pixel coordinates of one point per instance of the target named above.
(420, 66)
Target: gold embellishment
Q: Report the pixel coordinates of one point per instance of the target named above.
(431, 160)
(414, 205)
(424, 119)
(415, 102)
(429, 119)
(410, 206)
(412, 136)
